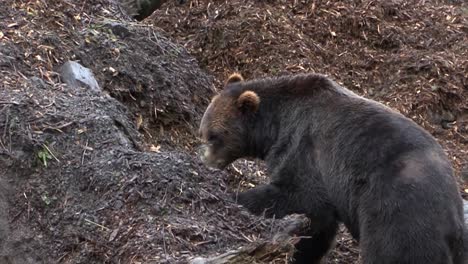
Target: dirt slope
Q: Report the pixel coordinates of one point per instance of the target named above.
(105, 177)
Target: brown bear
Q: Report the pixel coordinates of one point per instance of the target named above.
(339, 158)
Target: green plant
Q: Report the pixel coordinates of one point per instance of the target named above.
(43, 156)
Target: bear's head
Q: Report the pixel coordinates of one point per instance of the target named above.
(225, 124)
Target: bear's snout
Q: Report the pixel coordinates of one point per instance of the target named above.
(205, 153)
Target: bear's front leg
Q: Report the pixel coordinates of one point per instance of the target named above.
(269, 200)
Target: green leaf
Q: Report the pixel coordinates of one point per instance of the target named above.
(46, 199)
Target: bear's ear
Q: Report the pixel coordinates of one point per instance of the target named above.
(248, 102)
(235, 77)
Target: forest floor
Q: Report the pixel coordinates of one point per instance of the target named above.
(112, 176)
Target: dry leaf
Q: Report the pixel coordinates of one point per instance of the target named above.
(139, 121)
(113, 234)
(155, 149)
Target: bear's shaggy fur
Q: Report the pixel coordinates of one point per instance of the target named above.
(338, 157)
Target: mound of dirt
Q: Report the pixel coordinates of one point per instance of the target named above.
(84, 194)
(76, 185)
(158, 81)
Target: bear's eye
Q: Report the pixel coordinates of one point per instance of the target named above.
(214, 138)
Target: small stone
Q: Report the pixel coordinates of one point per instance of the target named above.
(156, 210)
(119, 30)
(198, 260)
(118, 204)
(448, 116)
(38, 82)
(75, 75)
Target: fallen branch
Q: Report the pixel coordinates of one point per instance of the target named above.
(9, 102)
(278, 249)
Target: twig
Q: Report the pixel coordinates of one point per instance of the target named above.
(62, 257)
(16, 216)
(164, 243)
(3, 145)
(212, 195)
(164, 199)
(96, 224)
(6, 124)
(45, 146)
(84, 152)
(9, 102)
(237, 191)
(58, 128)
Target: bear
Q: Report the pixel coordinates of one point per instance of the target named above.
(338, 157)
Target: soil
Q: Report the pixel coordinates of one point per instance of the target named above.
(113, 176)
